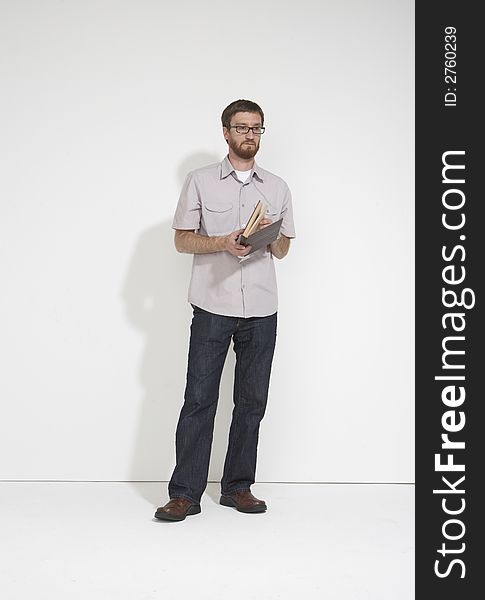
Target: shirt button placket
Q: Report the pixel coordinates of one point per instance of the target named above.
(241, 188)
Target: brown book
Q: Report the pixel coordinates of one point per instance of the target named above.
(254, 220)
(258, 238)
(261, 238)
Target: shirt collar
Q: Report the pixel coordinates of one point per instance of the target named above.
(227, 169)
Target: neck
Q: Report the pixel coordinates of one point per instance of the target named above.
(240, 164)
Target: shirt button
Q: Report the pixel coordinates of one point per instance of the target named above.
(243, 204)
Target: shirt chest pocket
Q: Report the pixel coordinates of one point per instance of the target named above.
(272, 213)
(218, 218)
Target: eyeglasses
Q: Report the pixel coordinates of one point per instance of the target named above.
(245, 129)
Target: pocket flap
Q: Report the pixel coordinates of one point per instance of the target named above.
(218, 206)
(271, 211)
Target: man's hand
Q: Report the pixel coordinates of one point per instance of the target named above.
(231, 245)
(264, 223)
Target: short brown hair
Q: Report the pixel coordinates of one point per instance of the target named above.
(240, 106)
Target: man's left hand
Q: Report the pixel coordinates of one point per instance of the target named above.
(264, 223)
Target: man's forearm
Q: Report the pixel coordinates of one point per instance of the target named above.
(279, 248)
(194, 243)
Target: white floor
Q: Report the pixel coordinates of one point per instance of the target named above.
(81, 540)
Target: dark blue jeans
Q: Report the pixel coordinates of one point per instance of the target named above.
(210, 337)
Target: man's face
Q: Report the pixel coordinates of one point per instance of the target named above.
(244, 145)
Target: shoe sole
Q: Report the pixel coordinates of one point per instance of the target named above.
(226, 501)
(163, 516)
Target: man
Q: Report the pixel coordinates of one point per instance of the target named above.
(231, 299)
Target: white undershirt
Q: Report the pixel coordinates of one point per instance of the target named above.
(242, 175)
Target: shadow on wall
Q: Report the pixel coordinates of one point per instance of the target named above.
(155, 298)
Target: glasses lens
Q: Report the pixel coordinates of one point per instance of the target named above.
(245, 129)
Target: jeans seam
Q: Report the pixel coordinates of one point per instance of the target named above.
(184, 496)
(237, 406)
(245, 489)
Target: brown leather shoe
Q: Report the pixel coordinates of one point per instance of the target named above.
(177, 509)
(244, 501)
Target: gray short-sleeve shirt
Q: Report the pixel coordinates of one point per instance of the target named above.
(214, 202)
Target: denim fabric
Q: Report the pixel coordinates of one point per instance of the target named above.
(210, 336)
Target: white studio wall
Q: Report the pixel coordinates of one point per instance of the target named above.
(105, 107)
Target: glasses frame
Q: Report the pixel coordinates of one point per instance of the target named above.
(263, 129)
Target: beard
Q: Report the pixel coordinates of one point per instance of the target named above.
(243, 150)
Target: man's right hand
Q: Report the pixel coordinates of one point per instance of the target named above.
(231, 245)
